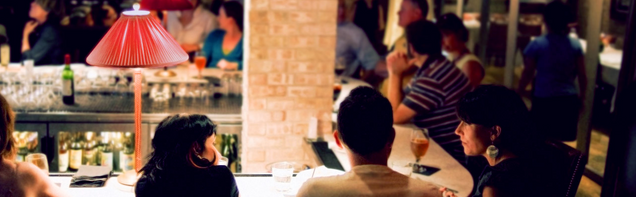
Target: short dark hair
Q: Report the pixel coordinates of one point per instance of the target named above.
(177, 142)
(557, 16)
(422, 5)
(234, 9)
(450, 23)
(491, 105)
(425, 37)
(365, 121)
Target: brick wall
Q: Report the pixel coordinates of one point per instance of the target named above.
(289, 76)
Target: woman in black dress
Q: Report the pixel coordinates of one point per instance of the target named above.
(184, 161)
(495, 125)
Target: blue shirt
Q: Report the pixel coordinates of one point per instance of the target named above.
(213, 49)
(354, 49)
(555, 56)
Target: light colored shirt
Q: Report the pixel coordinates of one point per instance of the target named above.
(203, 22)
(354, 49)
(368, 181)
(555, 56)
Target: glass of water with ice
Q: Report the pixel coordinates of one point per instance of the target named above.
(282, 173)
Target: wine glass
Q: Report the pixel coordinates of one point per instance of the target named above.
(200, 62)
(39, 160)
(419, 143)
(340, 68)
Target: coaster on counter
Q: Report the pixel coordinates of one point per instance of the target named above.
(91, 176)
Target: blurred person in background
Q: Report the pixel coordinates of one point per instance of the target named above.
(19, 178)
(410, 11)
(191, 27)
(103, 15)
(429, 100)
(353, 48)
(41, 41)
(455, 36)
(223, 48)
(495, 125)
(557, 60)
(365, 131)
(369, 15)
(184, 161)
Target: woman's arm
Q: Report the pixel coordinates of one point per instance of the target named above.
(489, 192)
(474, 71)
(530, 65)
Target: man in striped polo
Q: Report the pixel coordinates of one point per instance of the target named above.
(429, 99)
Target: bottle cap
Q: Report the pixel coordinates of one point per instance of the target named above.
(67, 59)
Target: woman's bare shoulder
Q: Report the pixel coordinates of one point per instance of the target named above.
(33, 178)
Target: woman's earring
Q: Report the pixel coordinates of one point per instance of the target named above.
(492, 151)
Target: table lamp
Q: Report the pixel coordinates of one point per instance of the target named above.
(136, 40)
(167, 5)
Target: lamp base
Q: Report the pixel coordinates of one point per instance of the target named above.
(128, 178)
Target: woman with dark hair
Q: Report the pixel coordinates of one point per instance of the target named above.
(19, 178)
(191, 27)
(455, 36)
(224, 47)
(184, 161)
(495, 125)
(558, 60)
(41, 41)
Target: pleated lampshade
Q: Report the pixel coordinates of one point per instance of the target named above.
(166, 4)
(137, 40)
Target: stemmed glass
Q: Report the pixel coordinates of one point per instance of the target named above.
(200, 62)
(419, 143)
(340, 68)
(39, 160)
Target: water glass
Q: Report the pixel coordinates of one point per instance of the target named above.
(223, 161)
(39, 160)
(282, 173)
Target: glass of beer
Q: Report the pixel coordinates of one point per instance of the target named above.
(200, 62)
(39, 160)
(419, 143)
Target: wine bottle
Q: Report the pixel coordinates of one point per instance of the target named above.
(68, 84)
(63, 157)
(89, 153)
(75, 155)
(107, 154)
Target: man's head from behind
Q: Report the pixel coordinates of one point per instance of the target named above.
(411, 11)
(365, 122)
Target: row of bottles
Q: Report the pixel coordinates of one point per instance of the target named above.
(87, 148)
(27, 143)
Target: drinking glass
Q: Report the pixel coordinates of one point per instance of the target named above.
(282, 173)
(419, 143)
(200, 62)
(223, 161)
(340, 68)
(39, 160)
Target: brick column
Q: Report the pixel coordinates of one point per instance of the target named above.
(289, 78)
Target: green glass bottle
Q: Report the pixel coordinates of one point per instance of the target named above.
(68, 85)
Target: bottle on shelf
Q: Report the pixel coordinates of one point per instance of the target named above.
(107, 153)
(127, 158)
(75, 155)
(90, 150)
(63, 154)
(68, 84)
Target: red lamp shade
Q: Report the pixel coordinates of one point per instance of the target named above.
(166, 5)
(137, 40)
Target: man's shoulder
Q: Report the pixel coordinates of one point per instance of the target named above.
(350, 28)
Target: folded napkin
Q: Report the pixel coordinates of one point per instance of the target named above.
(91, 176)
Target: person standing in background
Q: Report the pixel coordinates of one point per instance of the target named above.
(224, 47)
(353, 48)
(455, 36)
(410, 11)
(558, 60)
(191, 27)
(369, 16)
(41, 39)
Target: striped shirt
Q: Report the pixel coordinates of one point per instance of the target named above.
(433, 93)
